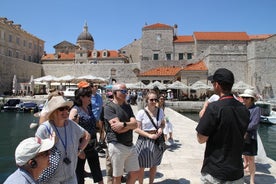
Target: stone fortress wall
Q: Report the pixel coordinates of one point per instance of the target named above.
(23, 70)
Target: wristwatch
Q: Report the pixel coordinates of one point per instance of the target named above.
(125, 124)
(80, 150)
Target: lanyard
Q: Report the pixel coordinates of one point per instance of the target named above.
(226, 97)
(63, 143)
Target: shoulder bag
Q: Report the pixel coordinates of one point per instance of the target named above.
(160, 141)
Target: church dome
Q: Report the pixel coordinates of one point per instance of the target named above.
(85, 35)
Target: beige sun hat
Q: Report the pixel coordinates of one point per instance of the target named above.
(57, 102)
(249, 93)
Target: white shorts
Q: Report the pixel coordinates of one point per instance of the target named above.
(123, 158)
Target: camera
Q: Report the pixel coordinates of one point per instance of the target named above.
(66, 160)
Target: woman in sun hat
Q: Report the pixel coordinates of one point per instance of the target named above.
(250, 145)
(71, 139)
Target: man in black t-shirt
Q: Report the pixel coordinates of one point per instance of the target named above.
(120, 123)
(222, 127)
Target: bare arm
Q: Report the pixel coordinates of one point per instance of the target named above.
(203, 108)
(118, 126)
(74, 115)
(84, 141)
(202, 138)
(141, 132)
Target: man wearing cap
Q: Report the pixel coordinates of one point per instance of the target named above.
(222, 127)
(31, 157)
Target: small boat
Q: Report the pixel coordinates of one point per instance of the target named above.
(268, 116)
(33, 125)
(271, 119)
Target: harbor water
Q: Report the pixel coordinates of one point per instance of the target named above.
(15, 126)
(267, 133)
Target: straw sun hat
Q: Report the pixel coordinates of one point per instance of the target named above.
(57, 102)
(249, 93)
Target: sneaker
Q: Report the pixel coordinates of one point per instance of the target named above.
(87, 174)
(123, 179)
(167, 143)
(101, 153)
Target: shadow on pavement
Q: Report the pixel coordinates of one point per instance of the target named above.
(264, 168)
(174, 181)
(261, 178)
(176, 145)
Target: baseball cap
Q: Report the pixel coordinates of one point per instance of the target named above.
(222, 75)
(30, 147)
(83, 84)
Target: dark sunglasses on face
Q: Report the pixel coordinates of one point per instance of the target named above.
(88, 95)
(153, 100)
(123, 91)
(245, 97)
(64, 108)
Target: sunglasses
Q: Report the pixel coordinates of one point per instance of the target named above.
(245, 97)
(64, 108)
(153, 100)
(87, 95)
(123, 91)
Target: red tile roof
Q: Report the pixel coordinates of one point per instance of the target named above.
(199, 66)
(182, 39)
(158, 26)
(71, 55)
(60, 56)
(162, 71)
(260, 36)
(172, 71)
(240, 36)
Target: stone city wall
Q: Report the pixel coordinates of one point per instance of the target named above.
(22, 69)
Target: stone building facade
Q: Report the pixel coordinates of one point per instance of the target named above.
(20, 54)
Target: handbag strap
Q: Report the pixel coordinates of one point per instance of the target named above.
(152, 119)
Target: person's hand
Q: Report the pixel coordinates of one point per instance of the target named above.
(153, 136)
(81, 155)
(117, 126)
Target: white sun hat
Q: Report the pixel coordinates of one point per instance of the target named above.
(30, 147)
(249, 93)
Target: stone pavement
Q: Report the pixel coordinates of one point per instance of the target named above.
(182, 162)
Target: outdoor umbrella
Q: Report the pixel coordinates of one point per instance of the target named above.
(158, 84)
(200, 85)
(241, 86)
(178, 85)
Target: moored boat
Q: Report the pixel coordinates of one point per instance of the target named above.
(268, 116)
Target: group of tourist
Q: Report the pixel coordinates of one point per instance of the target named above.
(67, 135)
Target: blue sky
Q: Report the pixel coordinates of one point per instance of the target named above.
(116, 23)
